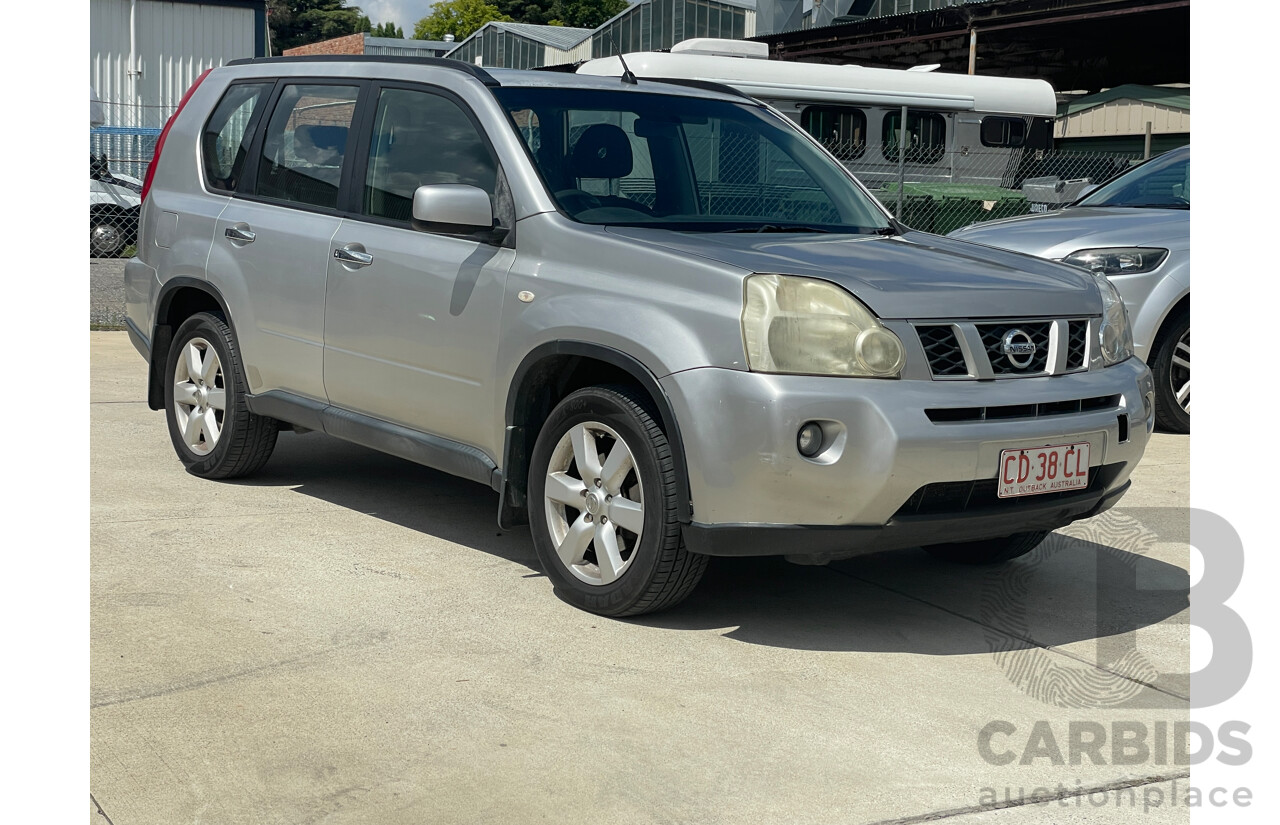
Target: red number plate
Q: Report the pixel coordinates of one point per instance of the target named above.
(1037, 470)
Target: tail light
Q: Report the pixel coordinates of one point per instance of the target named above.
(164, 133)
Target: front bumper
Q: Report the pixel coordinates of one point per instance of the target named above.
(892, 477)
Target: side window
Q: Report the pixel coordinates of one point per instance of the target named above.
(421, 138)
(305, 144)
(1003, 131)
(926, 136)
(227, 135)
(842, 129)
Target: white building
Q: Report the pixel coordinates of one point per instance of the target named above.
(144, 54)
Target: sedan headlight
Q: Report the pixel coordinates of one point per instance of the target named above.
(1115, 336)
(1118, 261)
(811, 327)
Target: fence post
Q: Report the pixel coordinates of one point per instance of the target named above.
(902, 159)
(1146, 143)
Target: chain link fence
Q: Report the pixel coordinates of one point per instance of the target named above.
(939, 191)
(119, 153)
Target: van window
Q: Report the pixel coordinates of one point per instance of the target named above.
(306, 143)
(228, 134)
(1003, 131)
(926, 136)
(842, 129)
(421, 138)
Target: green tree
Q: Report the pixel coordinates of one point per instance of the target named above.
(585, 14)
(457, 17)
(299, 22)
(388, 30)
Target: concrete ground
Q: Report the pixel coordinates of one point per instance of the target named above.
(349, 638)
(106, 292)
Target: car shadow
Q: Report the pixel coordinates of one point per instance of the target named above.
(1099, 582)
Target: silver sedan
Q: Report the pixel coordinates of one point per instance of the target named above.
(1135, 229)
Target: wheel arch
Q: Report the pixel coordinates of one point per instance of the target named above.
(544, 377)
(178, 300)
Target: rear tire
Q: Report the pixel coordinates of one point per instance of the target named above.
(988, 551)
(212, 429)
(1171, 367)
(602, 507)
(106, 238)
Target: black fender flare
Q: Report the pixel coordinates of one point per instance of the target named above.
(518, 444)
(162, 334)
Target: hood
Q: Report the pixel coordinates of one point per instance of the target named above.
(1058, 234)
(915, 275)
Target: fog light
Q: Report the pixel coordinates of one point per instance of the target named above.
(809, 439)
(1148, 401)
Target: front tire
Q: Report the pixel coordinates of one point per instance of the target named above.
(1171, 368)
(988, 551)
(212, 429)
(602, 507)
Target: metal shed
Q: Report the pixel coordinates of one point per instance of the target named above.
(523, 46)
(650, 25)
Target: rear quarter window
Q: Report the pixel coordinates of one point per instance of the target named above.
(225, 141)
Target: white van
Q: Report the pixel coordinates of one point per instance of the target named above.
(960, 128)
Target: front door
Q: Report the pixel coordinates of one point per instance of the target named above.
(412, 317)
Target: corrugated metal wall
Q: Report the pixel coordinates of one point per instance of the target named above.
(175, 42)
(1123, 117)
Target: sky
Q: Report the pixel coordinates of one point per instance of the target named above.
(404, 13)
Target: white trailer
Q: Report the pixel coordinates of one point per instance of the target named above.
(960, 128)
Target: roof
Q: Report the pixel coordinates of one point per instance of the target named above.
(409, 43)
(557, 37)
(524, 78)
(749, 5)
(858, 85)
(1172, 96)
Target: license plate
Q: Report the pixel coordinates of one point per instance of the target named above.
(1037, 470)
(1039, 207)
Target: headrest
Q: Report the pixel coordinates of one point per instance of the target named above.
(603, 151)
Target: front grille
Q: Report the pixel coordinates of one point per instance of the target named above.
(993, 341)
(958, 350)
(951, 498)
(943, 350)
(951, 415)
(1077, 336)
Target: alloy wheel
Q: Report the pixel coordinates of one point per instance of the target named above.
(1180, 372)
(199, 396)
(594, 503)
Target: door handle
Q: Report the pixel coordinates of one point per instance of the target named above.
(353, 255)
(240, 234)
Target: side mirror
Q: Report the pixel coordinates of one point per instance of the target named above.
(452, 207)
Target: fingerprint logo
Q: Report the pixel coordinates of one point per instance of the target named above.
(1121, 671)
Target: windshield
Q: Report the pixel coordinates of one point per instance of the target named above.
(1164, 183)
(638, 159)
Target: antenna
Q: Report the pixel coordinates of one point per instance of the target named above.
(627, 76)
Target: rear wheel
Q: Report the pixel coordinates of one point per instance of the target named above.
(212, 429)
(1171, 367)
(602, 507)
(988, 551)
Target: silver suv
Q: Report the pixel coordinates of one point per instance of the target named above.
(663, 322)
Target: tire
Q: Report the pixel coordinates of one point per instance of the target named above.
(237, 442)
(106, 238)
(1171, 367)
(636, 564)
(988, 551)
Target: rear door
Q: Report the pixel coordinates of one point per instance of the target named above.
(411, 328)
(271, 243)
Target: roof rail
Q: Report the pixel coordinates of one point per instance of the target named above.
(442, 62)
(708, 85)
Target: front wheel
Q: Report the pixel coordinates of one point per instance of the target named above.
(602, 507)
(988, 551)
(1171, 368)
(212, 429)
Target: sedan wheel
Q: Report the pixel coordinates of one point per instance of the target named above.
(199, 396)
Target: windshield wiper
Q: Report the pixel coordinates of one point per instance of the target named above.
(777, 227)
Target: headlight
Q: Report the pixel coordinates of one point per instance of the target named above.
(1115, 336)
(811, 327)
(1118, 261)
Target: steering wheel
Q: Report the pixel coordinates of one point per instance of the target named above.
(577, 200)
